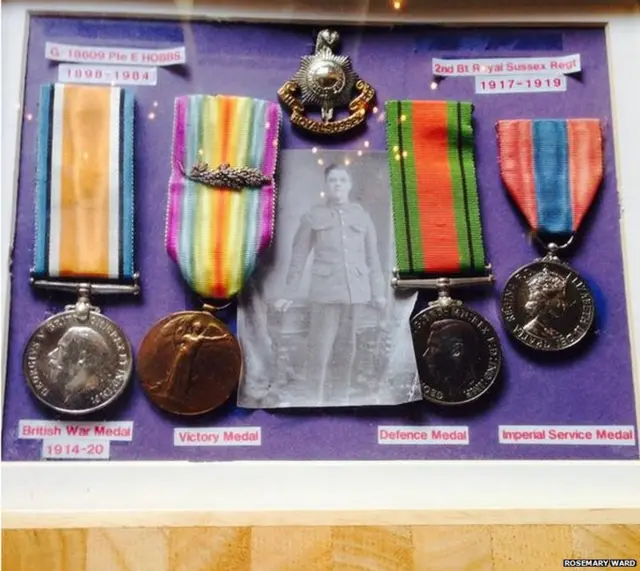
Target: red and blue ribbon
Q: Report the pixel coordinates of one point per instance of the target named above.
(552, 169)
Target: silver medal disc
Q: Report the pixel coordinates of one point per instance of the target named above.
(547, 306)
(457, 352)
(77, 365)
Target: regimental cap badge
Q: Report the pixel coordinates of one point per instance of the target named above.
(327, 81)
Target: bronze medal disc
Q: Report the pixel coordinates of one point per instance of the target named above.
(457, 352)
(547, 306)
(189, 363)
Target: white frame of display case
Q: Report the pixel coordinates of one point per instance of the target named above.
(84, 494)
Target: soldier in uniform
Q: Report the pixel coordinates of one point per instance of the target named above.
(346, 275)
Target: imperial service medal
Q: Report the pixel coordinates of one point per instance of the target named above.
(220, 217)
(552, 169)
(326, 80)
(439, 245)
(79, 361)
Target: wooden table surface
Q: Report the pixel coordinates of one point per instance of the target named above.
(344, 548)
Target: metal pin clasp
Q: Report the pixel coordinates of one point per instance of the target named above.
(441, 283)
(92, 288)
(83, 307)
(226, 176)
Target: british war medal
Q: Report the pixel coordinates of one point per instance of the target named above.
(552, 169)
(79, 361)
(220, 217)
(439, 245)
(326, 80)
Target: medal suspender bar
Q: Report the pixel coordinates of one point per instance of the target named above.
(552, 169)
(79, 361)
(439, 245)
(220, 217)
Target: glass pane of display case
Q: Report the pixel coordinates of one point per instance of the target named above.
(243, 239)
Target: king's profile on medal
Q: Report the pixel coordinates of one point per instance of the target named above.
(451, 355)
(78, 361)
(78, 364)
(431, 160)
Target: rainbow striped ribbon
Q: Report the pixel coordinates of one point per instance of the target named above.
(84, 222)
(216, 235)
(434, 191)
(552, 169)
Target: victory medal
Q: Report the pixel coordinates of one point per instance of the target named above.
(326, 80)
(552, 169)
(439, 245)
(220, 217)
(79, 361)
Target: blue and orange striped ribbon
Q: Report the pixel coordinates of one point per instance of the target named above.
(552, 169)
(84, 222)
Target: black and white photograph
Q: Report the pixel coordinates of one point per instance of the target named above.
(319, 322)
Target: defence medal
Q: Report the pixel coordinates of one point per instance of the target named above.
(220, 217)
(326, 80)
(552, 169)
(79, 361)
(439, 245)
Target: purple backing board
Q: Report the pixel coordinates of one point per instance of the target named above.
(593, 387)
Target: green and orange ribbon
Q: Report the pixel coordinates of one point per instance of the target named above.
(434, 190)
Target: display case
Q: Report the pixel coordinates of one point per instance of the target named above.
(288, 264)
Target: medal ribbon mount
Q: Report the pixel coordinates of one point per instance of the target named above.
(222, 194)
(84, 195)
(552, 169)
(438, 230)
(439, 245)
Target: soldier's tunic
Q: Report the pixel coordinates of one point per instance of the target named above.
(346, 274)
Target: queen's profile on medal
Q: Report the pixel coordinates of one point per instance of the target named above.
(546, 303)
(547, 306)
